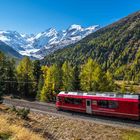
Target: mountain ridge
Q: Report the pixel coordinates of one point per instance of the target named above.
(9, 51)
(47, 42)
(113, 47)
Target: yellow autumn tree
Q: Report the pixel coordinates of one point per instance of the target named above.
(26, 81)
(52, 82)
(92, 78)
(68, 76)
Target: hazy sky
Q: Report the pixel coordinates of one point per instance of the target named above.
(32, 16)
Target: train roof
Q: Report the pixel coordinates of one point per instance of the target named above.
(102, 94)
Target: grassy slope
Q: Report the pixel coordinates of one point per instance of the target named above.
(9, 129)
(54, 127)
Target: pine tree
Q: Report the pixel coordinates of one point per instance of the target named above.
(67, 76)
(37, 76)
(76, 78)
(8, 82)
(36, 70)
(2, 74)
(11, 79)
(26, 81)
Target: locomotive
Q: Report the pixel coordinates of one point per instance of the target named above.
(107, 104)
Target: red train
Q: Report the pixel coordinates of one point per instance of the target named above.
(107, 104)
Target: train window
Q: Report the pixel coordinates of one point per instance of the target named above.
(94, 102)
(108, 104)
(112, 104)
(59, 99)
(103, 103)
(77, 101)
(73, 101)
(69, 100)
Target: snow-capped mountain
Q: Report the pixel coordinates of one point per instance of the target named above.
(46, 42)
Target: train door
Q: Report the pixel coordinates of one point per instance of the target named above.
(88, 107)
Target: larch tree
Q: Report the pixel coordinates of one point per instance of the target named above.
(107, 82)
(52, 82)
(26, 81)
(67, 77)
(42, 91)
(123, 87)
(39, 87)
(88, 75)
(132, 88)
(92, 78)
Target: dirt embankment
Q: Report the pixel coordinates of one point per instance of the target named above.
(61, 128)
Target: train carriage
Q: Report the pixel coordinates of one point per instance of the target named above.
(107, 104)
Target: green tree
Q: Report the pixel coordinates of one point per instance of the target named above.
(10, 79)
(38, 77)
(36, 70)
(2, 73)
(76, 78)
(67, 76)
(8, 83)
(26, 81)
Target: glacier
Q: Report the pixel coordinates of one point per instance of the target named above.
(41, 44)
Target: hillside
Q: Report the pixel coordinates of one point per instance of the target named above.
(115, 46)
(49, 127)
(9, 51)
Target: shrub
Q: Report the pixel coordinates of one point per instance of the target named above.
(23, 112)
(14, 131)
(4, 136)
(131, 136)
(13, 109)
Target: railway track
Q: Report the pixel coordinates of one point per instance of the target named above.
(47, 108)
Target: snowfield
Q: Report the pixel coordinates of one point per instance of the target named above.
(46, 42)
